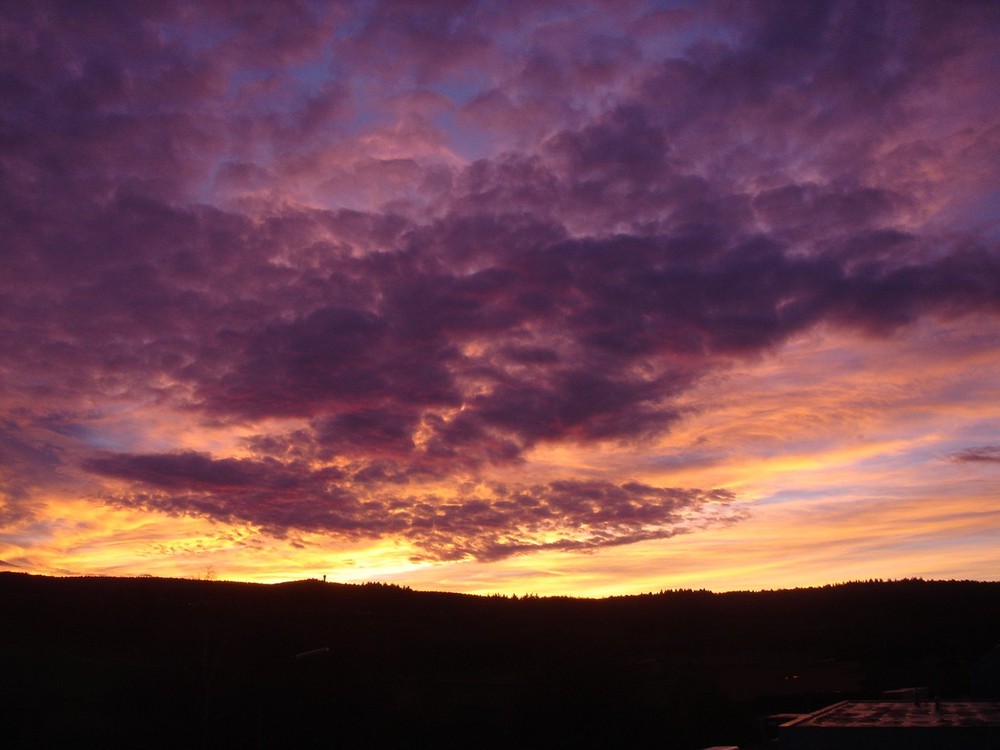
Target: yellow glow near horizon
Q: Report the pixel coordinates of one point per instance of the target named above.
(845, 475)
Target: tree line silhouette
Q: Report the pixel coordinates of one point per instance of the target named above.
(125, 662)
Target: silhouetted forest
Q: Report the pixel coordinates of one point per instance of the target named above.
(147, 662)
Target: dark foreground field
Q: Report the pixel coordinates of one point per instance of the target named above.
(98, 662)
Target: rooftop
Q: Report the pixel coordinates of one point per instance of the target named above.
(925, 713)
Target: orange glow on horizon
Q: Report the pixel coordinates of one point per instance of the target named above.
(822, 507)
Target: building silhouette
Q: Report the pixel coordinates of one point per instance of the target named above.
(917, 724)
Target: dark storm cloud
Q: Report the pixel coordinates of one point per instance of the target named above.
(717, 198)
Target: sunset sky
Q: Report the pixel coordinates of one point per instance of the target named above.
(581, 298)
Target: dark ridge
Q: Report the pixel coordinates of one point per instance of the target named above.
(159, 662)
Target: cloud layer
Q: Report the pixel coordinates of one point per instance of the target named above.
(485, 522)
(396, 249)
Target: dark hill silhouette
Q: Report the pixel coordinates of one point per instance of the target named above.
(150, 662)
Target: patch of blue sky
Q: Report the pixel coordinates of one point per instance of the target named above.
(980, 215)
(67, 428)
(354, 23)
(243, 77)
(464, 86)
(312, 76)
(196, 38)
(682, 459)
(673, 44)
(116, 439)
(829, 491)
(114, 429)
(918, 455)
(468, 143)
(365, 114)
(973, 433)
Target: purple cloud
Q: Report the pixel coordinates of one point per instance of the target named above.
(485, 523)
(438, 236)
(980, 454)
